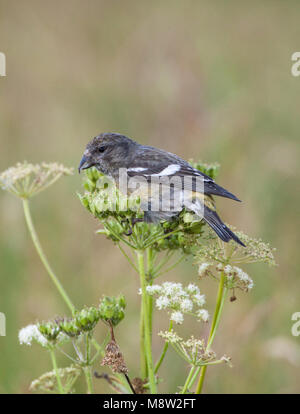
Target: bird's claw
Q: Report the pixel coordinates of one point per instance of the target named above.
(133, 222)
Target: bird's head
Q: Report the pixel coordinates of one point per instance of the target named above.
(106, 151)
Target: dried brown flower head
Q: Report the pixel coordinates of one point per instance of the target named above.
(114, 358)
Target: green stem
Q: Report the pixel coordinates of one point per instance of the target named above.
(163, 262)
(185, 387)
(88, 379)
(173, 266)
(87, 368)
(49, 270)
(43, 258)
(150, 257)
(155, 240)
(119, 237)
(164, 351)
(59, 384)
(222, 291)
(147, 332)
(127, 258)
(144, 367)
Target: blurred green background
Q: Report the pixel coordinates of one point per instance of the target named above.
(208, 80)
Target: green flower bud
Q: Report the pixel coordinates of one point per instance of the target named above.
(87, 318)
(50, 330)
(112, 309)
(69, 327)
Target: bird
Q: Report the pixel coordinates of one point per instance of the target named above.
(112, 152)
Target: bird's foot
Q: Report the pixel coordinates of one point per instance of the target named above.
(133, 222)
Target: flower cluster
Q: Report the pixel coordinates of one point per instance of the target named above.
(215, 257)
(112, 309)
(192, 350)
(25, 180)
(179, 300)
(212, 252)
(236, 277)
(50, 330)
(32, 333)
(255, 251)
(48, 381)
(50, 333)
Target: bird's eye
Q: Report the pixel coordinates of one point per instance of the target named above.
(101, 149)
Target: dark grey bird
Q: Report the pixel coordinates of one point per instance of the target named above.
(110, 152)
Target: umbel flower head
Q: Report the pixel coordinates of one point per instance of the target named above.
(31, 333)
(112, 309)
(256, 251)
(179, 300)
(45, 334)
(25, 180)
(192, 350)
(215, 257)
(48, 381)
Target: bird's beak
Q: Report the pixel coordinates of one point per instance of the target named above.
(84, 164)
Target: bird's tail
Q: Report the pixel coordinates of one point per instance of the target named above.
(214, 221)
(211, 188)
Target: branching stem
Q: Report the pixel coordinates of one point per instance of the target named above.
(43, 257)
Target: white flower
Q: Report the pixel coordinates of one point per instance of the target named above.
(178, 300)
(203, 268)
(203, 314)
(186, 305)
(250, 284)
(30, 333)
(177, 317)
(228, 269)
(244, 277)
(154, 289)
(162, 302)
(171, 288)
(199, 299)
(192, 289)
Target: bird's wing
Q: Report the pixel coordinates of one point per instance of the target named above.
(151, 162)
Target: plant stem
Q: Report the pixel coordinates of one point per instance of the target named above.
(87, 368)
(56, 281)
(222, 291)
(127, 257)
(147, 333)
(150, 257)
(43, 258)
(164, 351)
(144, 367)
(88, 378)
(155, 240)
(59, 384)
(185, 387)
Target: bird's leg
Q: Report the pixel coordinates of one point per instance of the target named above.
(133, 222)
(136, 220)
(166, 231)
